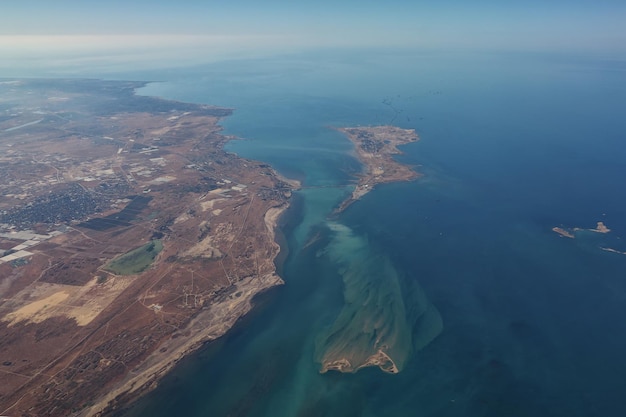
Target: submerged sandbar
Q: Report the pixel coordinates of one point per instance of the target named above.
(385, 318)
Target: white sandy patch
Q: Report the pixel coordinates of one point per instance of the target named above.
(205, 249)
(208, 205)
(37, 311)
(160, 180)
(182, 218)
(82, 304)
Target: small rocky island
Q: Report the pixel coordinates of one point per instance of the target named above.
(572, 233)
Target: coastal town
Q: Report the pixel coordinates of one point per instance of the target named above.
(128, 238)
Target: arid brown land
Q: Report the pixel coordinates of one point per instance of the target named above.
(90, 171)
(375, 147)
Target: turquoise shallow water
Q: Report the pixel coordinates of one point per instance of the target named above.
(511, 146)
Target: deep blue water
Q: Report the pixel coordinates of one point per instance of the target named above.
(511, 146)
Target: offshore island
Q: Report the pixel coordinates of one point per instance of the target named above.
(382, 323)
(601, 228)
(375, 147)
(128, 238)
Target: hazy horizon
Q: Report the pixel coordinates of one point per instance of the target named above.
(72, 37)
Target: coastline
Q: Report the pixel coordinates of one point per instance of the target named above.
(207, 326)
(217, 215)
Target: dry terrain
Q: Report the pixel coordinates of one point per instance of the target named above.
(90, 172)
(375, 147)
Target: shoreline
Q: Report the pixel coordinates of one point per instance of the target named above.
(207, 326)
(216, 213)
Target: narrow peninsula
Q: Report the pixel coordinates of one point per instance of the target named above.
(375, 147)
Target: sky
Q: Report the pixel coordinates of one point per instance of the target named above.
(76, 33)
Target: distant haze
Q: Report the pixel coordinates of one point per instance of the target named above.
(74, 35)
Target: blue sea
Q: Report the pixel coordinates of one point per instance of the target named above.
(487, 311)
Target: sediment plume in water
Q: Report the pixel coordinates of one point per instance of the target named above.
(384, 319)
